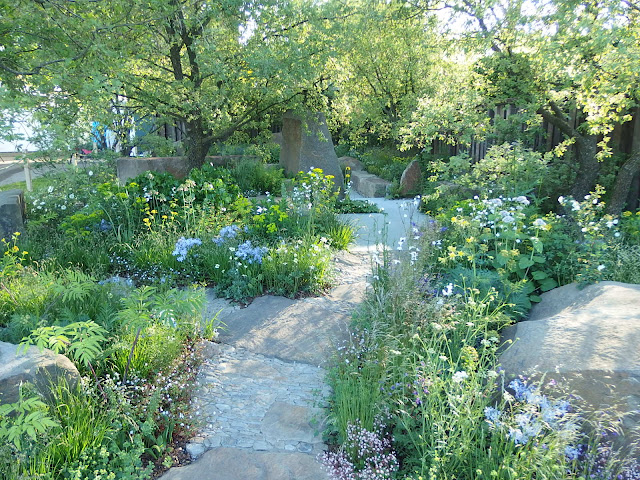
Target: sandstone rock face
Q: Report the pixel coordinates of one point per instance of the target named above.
(12, 210)
(306, 144)
(34, 366)
(589, 337)
(411, 178)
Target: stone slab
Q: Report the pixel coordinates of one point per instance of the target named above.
(12, 212)
(587, 340)
(286, 329)
(291, 424)
(368, 185)
(238, 464)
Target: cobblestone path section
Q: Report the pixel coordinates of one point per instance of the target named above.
(261, 389)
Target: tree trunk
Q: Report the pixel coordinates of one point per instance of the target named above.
(197, 143)
(586, 147)
(589, 166)
(628, 171)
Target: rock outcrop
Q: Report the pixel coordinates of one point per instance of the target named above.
(411, 179)
(589, 337)
(39, 368)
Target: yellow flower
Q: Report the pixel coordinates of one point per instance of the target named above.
(164, 217)
(25, 252)
(154, 211)
(471, 239)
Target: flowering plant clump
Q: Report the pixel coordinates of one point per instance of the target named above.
(226, 233)
(365, 455)
(183, 245)
(599, 234)
(496, 237)
(532, 416)
(250, 254)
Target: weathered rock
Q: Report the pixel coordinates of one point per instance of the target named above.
(411, 178)
(369, 185)
(352, 163)
(306, 144)
(12, 210)
(237, 464)
(37, 367)
(588, 337)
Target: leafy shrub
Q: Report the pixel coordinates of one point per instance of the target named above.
(254, 177)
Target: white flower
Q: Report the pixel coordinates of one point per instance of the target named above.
(448, 291)
(91, 173)
(575, 206)
(539, 223)
(522, 199)
(601, 267)
(617, 234)
(50, 189)
(561, 200)
(72, 196)
(460, 376)
(508, 219)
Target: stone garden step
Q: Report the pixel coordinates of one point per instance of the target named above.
(368, 185)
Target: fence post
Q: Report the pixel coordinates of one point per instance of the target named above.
(27, 175)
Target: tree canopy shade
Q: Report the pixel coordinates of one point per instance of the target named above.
(573, 63)
(212, 67)
(389, 71)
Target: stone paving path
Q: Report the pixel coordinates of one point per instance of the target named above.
(261, 390)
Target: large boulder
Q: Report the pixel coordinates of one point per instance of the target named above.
(411, 179)
(307, 144)
(12, 210)
(588, 337)
(39, 368)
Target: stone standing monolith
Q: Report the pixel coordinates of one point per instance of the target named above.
(307, 144)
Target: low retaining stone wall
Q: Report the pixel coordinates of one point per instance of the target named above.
(12, 211)
(129, 167)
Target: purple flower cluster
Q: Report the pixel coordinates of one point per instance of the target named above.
(365, 456)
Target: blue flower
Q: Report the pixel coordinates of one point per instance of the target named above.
(226, 233)
(182, 247)
(250, 254)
